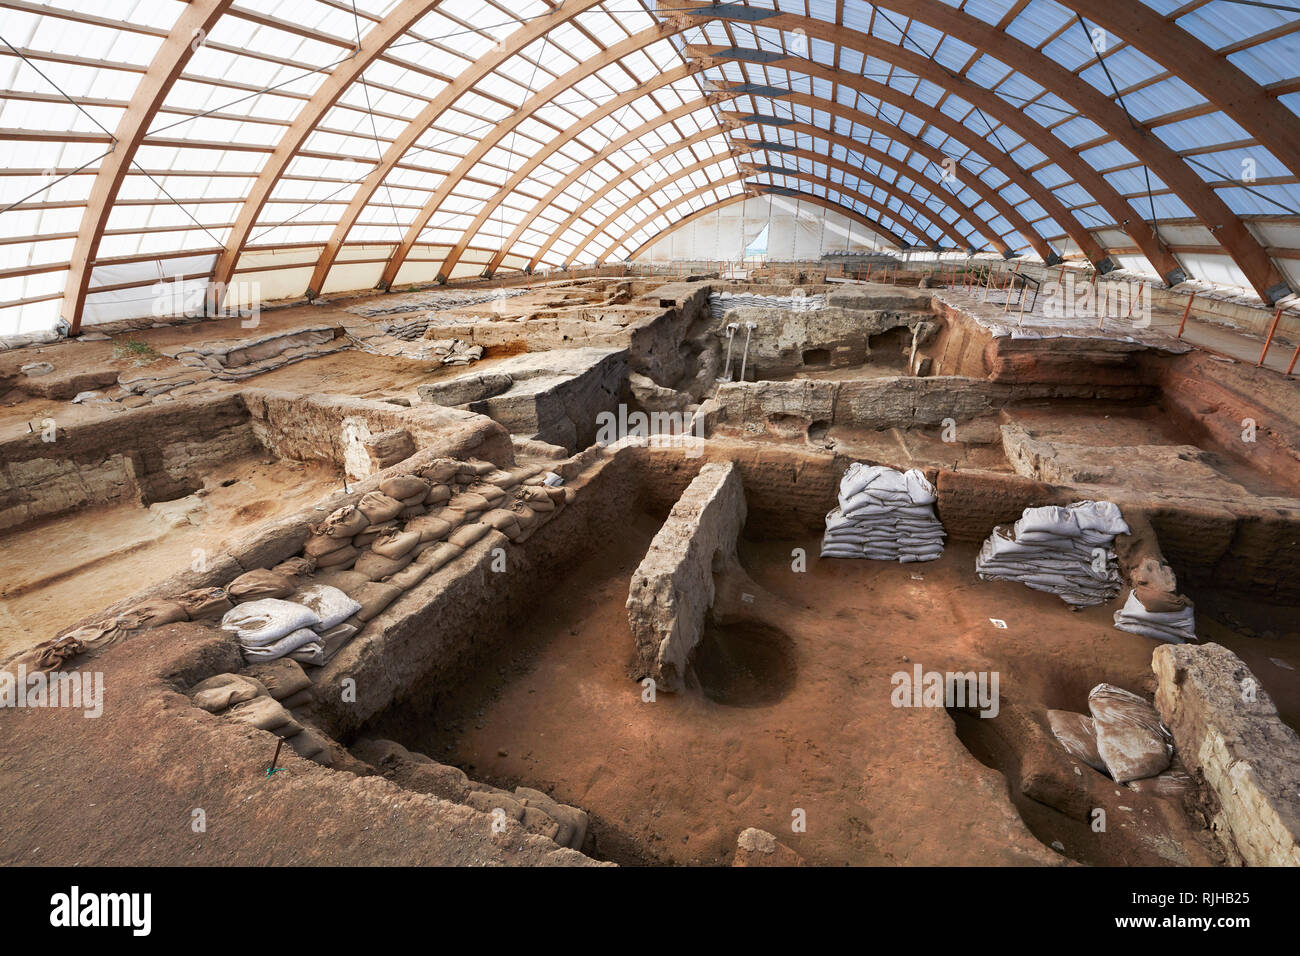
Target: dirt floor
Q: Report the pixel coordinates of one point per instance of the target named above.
(60, 570)
(811, 726)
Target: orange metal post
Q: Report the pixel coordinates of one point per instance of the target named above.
(1186, 312)
(1277, 317)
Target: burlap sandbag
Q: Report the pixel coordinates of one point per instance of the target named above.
(468, 534)
(259, 584)
(395, 544)
(538, 499)
(375, 599)
(1130, 739)
(304, 698)
(430, 527)
(225, 690)
(1077, 735)
(470, 503)
(402, 487)
(410, 514)
(438, 495)
(410, 576)
(441, 553)
(205, 602)
(152, 614)
(367, 538)
(481, 468)
(266, 714)
(344, 523)
(46, 656)
(378, 507)
(342, 558)
(282, 678)
(345, 581)
(441, 470)
(299, 567)
(524, 515)
(377, 567)
(493, 495)
(318, 546)
(1160, 602)
(504, 521)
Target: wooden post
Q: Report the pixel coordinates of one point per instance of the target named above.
(1186, 312)
(1277, 317)
(1011, 281)
(1022, 308)
(1293, 358)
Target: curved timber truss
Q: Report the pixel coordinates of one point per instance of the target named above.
(420, 141)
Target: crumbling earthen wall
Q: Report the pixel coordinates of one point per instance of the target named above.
(156, 453)
(672, 590)
(1228, 732)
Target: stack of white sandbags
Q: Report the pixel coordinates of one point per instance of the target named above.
(720, 303)
(1064, 551)
(271, 628)
(884, 515)
(1165, 617)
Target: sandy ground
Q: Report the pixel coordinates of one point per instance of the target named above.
(676, 780)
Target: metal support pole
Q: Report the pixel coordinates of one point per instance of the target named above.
(744, 359)
(731, 337)
(1186, 312)
(1277, 317)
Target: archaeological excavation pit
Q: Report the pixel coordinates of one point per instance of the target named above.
(726, 436)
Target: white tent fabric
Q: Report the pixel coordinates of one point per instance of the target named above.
(797, 231)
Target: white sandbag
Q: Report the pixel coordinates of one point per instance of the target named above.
(1130, 738)
(331, 605)
(281, 648)
(259, 623)
(311, 653)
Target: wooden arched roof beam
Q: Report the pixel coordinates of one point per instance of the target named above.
(503, 129)
(1211, 74)
(960, 133)
(898, 240)
(1249, 255)
(376, 40)
(611, 149)
(908, 201)
(992, 105)
(816, 200)
(469, 78)
(183, 40)
(917, 145)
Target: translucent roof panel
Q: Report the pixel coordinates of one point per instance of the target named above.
(165, 138)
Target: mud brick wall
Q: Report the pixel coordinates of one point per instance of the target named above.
(1237, 745)
(156, 453)
(310, 427)
(672, 588)
(438, 632)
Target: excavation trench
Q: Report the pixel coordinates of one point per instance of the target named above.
(786, 713)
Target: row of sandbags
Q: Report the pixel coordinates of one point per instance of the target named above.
(433, 300)
(267, 696)
(362, 557)
(1066, 551)
(534, 810)
(1123, 737)
(884, 515)
(720, 303)
(195, 605)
